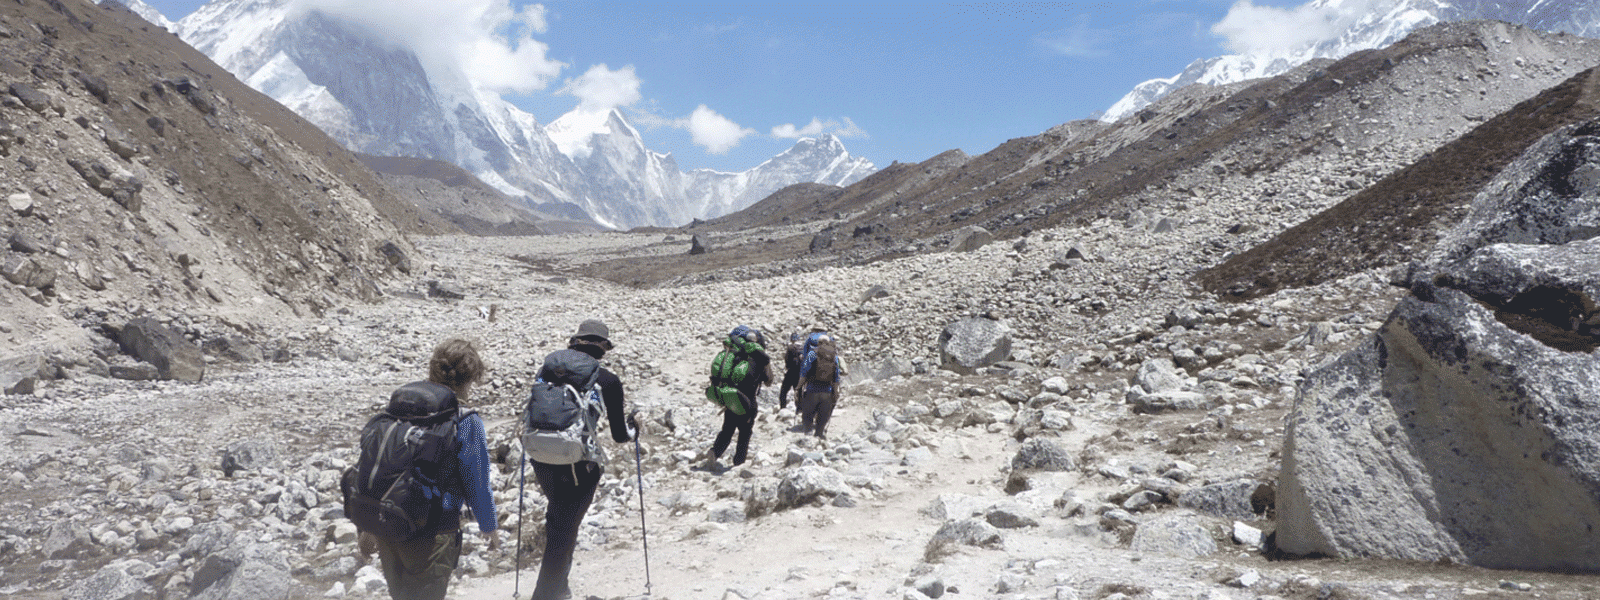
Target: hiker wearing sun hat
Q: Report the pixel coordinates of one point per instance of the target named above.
(591, 332)
(570, 488)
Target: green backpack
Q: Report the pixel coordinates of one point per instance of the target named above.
(731, 366)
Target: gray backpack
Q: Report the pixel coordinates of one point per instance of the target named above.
(561, 421)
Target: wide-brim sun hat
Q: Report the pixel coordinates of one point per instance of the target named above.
(594, 330)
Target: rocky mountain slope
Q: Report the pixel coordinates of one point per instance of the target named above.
(141, 178)
(1120, 431)
(1366, 26)
(399, 107)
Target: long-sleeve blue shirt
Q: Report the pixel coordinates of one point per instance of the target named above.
(818, 386)
(473, 462)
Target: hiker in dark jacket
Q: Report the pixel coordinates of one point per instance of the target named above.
(420, 568)
(760, 374)
(791, 371)
(570, 488)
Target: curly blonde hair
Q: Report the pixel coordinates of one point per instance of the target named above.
(456, 365)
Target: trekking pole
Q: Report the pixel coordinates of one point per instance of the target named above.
(644, 534)
(522, 486)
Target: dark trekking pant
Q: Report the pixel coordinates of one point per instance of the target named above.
(816, 409)
(420, 569)
(569, 495)
(744, 424)
(791, 378)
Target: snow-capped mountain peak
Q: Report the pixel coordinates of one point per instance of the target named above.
(377, 97)
(574, 132)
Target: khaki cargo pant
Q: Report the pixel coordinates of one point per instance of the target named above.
(420, 569)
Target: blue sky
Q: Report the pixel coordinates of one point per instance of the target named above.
(727, 85)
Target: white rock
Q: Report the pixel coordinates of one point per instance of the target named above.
(20, 203)
(1246, 535)
(369, 580)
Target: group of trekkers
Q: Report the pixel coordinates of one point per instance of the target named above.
(812, 368)
(425, 458)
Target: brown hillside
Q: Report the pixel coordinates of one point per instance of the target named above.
(1384, 224)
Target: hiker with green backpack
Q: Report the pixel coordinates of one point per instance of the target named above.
(737, 374)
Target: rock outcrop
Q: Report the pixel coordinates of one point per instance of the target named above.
(975, 343)
(1468, 429)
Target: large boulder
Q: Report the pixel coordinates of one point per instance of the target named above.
(20, 374)
(974, 343)
(176, 358)
(249, 455)
(955, 534)
(66, 540)
(809, 484)
(969, 238)
(1550, 195)
(27, 272)
(1159, 375)
(395, 256)
(253, 572)
(1242, 500)
(1450, 436)
(112, 582)
(1468, 427)
(1041, 454)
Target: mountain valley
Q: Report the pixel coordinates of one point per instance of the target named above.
(1161, 298)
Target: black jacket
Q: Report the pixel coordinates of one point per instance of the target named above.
(611, 392)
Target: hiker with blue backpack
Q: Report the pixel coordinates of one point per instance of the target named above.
(821, 370)
(422, 458)
(737, 374)
(571, 396)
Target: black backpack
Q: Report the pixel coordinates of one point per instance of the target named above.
(795, 353)
(561, 421)
(408, 460)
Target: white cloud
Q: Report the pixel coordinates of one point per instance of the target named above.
(716, 133)
(601, 88)
(707, 128)
(843, 127)
(1251, 29)
(489, 42)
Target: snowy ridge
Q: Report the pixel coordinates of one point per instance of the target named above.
(379, 99)
(1390, 22)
